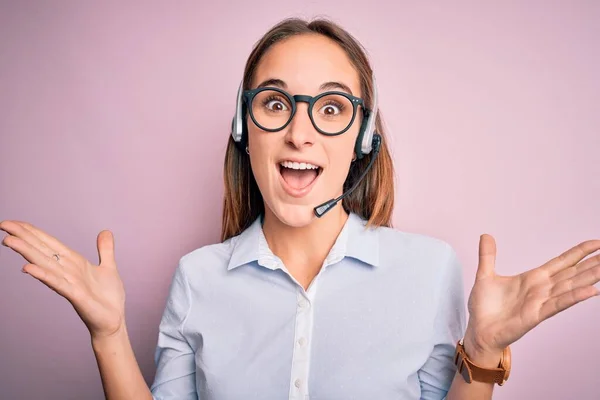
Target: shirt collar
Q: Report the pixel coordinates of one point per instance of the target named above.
(363, 242)
(246, 245)
(354, 240)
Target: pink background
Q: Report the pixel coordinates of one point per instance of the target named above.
(116, 116)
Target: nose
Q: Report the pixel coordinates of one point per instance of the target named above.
(300, 131)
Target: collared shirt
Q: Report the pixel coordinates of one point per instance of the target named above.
(379, 321)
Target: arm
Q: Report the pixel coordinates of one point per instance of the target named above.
(175, 374)
(504, 308)
(119, 370)
(461, 390)
(175, 358)
(439, 377)
(97, 294)
(436, 374)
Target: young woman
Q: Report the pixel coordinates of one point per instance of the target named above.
(292, 305)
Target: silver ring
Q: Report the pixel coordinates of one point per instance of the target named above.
(56, 257)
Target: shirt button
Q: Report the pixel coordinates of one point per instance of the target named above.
(302, 303)
(302, 341)
(297, 383)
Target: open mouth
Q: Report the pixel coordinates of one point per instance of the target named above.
(298, 177)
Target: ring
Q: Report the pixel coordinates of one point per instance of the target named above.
(56, 257)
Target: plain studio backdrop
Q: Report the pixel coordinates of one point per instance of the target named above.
(116, 116)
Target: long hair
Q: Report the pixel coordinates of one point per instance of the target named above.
(372, 200)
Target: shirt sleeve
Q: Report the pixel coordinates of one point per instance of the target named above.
(437, 373)
(174, 357)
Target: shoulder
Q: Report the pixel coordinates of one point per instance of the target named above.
(412, 244)
(427, 266)
(426, 255)
(207, 258)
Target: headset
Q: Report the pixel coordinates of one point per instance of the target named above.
(367, 141)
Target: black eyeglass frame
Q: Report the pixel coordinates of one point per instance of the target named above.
(249, 95)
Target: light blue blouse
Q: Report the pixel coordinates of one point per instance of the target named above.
(379, 321)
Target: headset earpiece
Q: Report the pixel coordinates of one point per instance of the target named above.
(364, 141)
(238, 125)
(243, 141)
(358, 147)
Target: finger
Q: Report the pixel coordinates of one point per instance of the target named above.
(487, 256)
(568, 273)
(560, 303)
(16, 229)
(591, 276)
(30, 253)
(106, 248)
(56, 245)
(50, 278)
(571, 256)
(49, 240)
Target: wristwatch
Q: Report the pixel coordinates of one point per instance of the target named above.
(472, 372)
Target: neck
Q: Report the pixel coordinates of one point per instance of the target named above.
(303, 250)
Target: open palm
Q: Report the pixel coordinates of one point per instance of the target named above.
(504, 308)
(95, 291)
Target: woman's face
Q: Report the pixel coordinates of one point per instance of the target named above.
(307, 65)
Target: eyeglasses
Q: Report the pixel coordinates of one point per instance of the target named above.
(331, 113)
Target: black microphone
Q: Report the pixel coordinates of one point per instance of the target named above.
(321, 209)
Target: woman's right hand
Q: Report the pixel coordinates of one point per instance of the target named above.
(95, 291)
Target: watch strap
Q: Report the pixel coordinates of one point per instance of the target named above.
(473, 372)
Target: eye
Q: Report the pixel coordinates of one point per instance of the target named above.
(275, 104)
(331, 108)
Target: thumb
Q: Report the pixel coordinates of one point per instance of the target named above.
(487, 256)
(106, 249)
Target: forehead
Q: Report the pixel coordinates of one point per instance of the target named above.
(306, 61)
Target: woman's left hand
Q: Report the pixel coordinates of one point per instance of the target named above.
(504, 308)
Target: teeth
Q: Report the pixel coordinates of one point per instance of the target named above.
(296, 165)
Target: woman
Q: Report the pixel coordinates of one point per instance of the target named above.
(294, 305)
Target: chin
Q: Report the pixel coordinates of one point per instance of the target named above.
(294, 215)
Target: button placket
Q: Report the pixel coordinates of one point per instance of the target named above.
(301, 351)
(303, 338)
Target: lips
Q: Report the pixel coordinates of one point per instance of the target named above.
(298, 183)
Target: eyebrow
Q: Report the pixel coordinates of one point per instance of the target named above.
(273, 82)
(325, 86)
(335, 85)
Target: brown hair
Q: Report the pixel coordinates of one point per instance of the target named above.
(372, 200)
